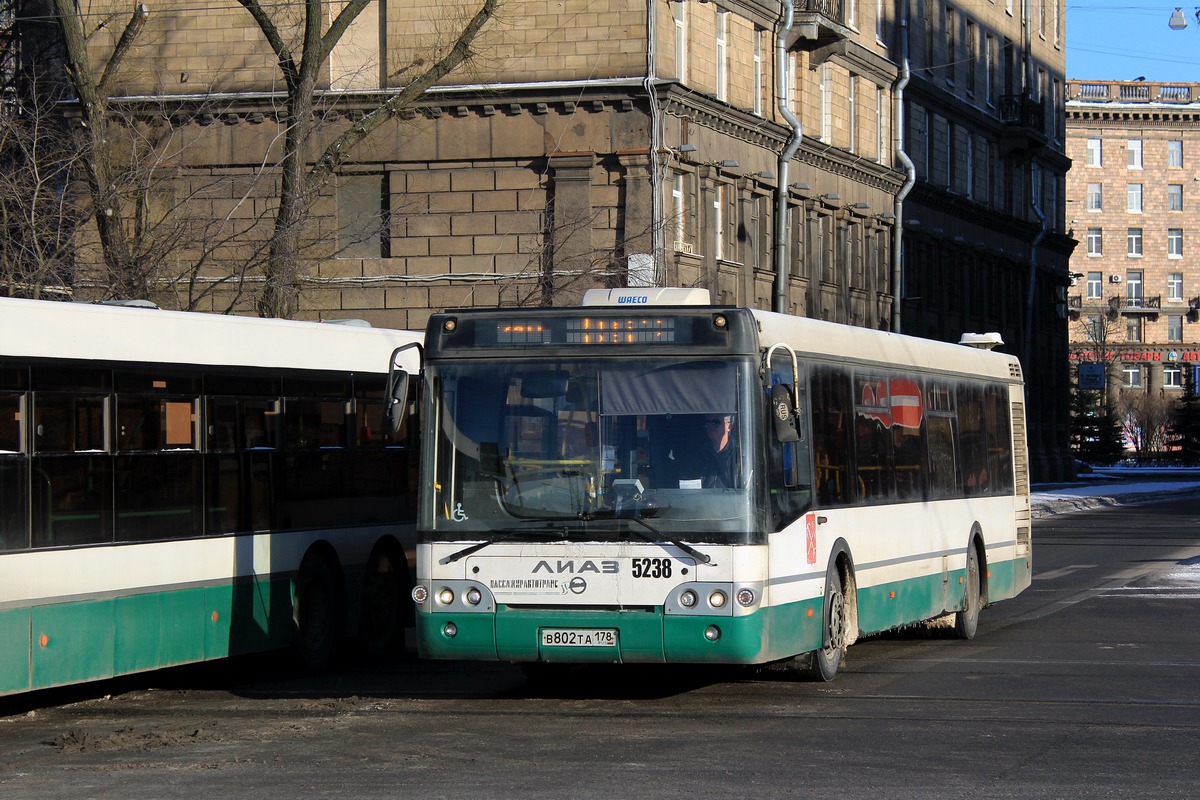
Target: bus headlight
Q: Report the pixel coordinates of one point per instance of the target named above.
(445, 596)
(745, 597)
(420, 594)
(688, 599)
(717, 599)
(472, 596)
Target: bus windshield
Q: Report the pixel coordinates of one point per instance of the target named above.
(597, 448)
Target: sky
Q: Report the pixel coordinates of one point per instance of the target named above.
(1122, 40)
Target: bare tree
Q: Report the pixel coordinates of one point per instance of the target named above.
(300, 63)
(1147, 421)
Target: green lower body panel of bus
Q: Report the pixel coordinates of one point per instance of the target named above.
(621, 636)
(73, 642)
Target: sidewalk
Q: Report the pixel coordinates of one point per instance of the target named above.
(1113, 487)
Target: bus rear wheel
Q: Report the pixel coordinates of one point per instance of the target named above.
(966, 621)
(383, 603)
(315, 614)
(824, 663)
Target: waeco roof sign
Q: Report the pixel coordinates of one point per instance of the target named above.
(647, 297)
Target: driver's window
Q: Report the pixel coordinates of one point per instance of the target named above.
(790, 470)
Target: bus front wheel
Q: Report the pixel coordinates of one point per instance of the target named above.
(824, 663)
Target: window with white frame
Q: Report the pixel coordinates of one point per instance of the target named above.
(1133, 242)
(1095, 286)
(1095, 242)
(880, 123)
(1175, 154)
(1095, 152)
(681, 41)
(1133, 150)
(1133, 288)
(722, 56)
(880, 33)
(852, 112)
(1133, 375)
(1174, 327)
(1134, 329)
(1174, 197)
(677, 208)
(826, 103)
(1095, 197)
(1174, 242)
(1133, 198)
(1175, 287)
(1173, 374)
(1094, 328)
(758, 71)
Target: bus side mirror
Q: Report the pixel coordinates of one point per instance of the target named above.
(783, 415)
(395, 401)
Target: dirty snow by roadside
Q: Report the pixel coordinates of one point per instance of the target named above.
(1132, 489)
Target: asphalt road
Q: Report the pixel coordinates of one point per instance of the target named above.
(1087, 685)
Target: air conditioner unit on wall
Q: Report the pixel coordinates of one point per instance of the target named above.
(1114, 278)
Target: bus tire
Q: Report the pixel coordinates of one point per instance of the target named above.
(315, 619)
(966, 621)
(383, 602)
(824, 663)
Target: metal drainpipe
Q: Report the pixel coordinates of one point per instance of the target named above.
(910, 170)
(656, 137)
(780, 299)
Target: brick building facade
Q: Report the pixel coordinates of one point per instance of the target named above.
(1133, 302)
(627, 143)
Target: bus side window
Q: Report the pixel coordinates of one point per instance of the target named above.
(790, 467)
(831, 410)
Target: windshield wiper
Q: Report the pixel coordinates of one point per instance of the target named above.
(536, 533)
(703, 558)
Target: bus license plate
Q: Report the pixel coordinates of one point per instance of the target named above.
(579, 637)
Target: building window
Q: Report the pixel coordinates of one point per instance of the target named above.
(1095, 242)
(758, 71)
(1095, 197)
(1133, 329)
(1094, 328)
(826, 103)
(1095, 153)
(677, 207)
(681, 41)
(722, 56)
(1133, 375)
(989, 67)
(951, 45)
(1133, 242)
(1175, 154)
(1095, 286)
(880, 121)
(852, 112)
(1175, 287)
(972, 57)
(1133, 287)
(1133, 198)
(1172, 376)
(879, 20)
(1174, 242)
(1134, 153)
(1174, 197)
(719, 220)
(1174, 327)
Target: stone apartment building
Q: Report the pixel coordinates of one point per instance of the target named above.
(897, 165)
(1131, 194)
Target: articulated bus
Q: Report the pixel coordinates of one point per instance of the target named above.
(176, 487)
(626, 482)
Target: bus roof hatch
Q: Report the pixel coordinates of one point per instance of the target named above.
(647, 297)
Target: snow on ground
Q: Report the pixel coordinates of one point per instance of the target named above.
(1111, 487)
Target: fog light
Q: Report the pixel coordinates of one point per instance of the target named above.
(445, 596)
(745, 597)
(473, 596)
(688, 599)
(450, 630)
(717, 599)
(420, 594)
(712, 633)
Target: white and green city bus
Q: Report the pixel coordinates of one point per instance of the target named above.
(572, 509)
(177, 487)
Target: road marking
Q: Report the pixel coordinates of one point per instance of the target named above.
(1058, 573)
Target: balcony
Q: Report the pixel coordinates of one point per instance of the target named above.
(819, 23)
(1024, 124)
(1136, 305)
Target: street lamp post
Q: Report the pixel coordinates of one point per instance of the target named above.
(1179, 21)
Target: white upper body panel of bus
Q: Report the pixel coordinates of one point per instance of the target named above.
(818, 339)
(44, 329)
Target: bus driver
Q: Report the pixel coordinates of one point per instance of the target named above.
(718, 455)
